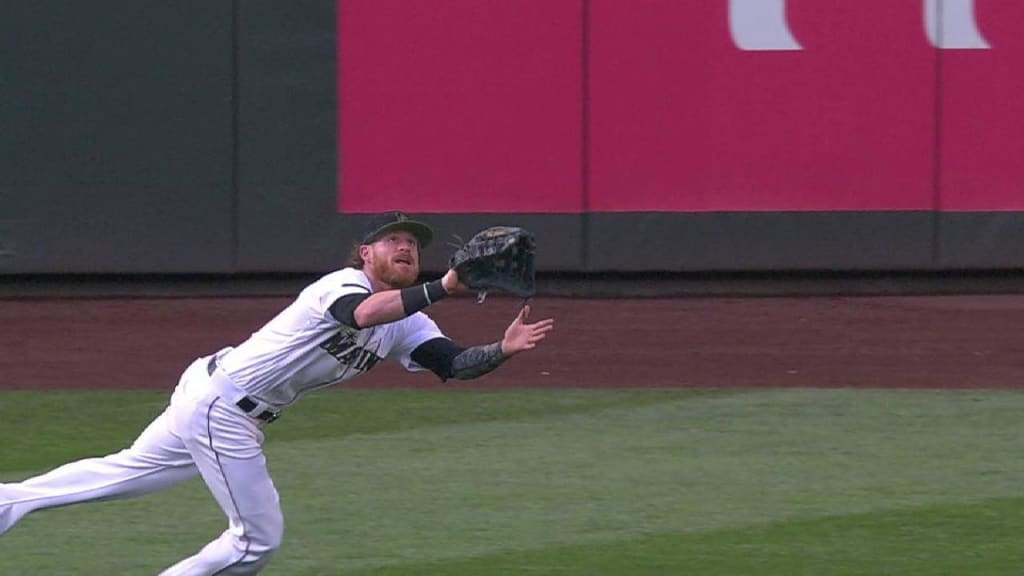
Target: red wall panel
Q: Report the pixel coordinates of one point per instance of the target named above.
(983, 115)
(683, 120)
(454, 106)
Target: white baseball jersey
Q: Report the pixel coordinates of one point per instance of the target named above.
(203, 431)
(305, 348)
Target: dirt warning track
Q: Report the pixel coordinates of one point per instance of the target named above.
(971, 341)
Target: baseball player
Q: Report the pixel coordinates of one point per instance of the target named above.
(338, 327)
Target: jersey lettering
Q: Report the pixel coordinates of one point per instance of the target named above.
(359, 359)
(342, 345)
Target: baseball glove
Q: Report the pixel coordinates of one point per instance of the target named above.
(500, 257)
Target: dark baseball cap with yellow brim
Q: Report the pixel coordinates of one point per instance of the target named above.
(387, 222)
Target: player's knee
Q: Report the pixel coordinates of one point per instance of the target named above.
(275, 537)
(259, 558)
(266, 538)
(257, 549)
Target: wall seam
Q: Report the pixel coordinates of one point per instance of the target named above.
(585, 135)
(235, 135)
(936, 248)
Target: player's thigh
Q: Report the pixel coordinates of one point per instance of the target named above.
(228, 453)
(157, 445)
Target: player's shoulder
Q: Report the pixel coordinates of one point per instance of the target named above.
(338, 283)
(351, 278)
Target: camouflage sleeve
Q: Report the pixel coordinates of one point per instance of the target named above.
(477, 361)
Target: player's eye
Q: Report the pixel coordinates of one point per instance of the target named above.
(399, 240)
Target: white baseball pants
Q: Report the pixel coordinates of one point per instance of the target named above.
(201, 431)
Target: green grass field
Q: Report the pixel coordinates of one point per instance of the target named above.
(566, 482)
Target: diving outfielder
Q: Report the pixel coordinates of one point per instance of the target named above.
(338, 327)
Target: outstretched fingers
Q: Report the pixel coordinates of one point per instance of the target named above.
(538, 331)
(522, 336)
(543, 326)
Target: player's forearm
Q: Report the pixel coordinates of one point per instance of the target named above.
(393, 305)
(477, 361)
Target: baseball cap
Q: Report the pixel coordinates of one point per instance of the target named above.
(381, 224)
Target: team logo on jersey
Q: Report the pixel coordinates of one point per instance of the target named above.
(345, 349)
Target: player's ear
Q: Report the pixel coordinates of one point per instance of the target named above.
(364, 252)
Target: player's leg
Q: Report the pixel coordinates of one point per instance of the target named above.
(157, 459)
(226, 446)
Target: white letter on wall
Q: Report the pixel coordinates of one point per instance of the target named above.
(761, 25)
(951, 24)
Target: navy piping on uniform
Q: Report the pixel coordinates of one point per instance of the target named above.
(350, 285)
(209, 434)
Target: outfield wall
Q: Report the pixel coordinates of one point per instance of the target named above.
(197, 137)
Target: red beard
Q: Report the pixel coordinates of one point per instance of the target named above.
(395, 276)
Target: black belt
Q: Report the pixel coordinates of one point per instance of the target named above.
(247, 404)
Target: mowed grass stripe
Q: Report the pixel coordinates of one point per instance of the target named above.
(679, 465)
(47, 428)
(981, 539)
(514, 481)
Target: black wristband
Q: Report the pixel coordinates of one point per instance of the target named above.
(416, 298)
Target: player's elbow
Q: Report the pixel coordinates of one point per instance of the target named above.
(360, 317)
(368, 313)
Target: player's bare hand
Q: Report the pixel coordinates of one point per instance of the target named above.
(520, 336)
(451, 283)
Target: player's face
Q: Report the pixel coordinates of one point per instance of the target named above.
(394, 259)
